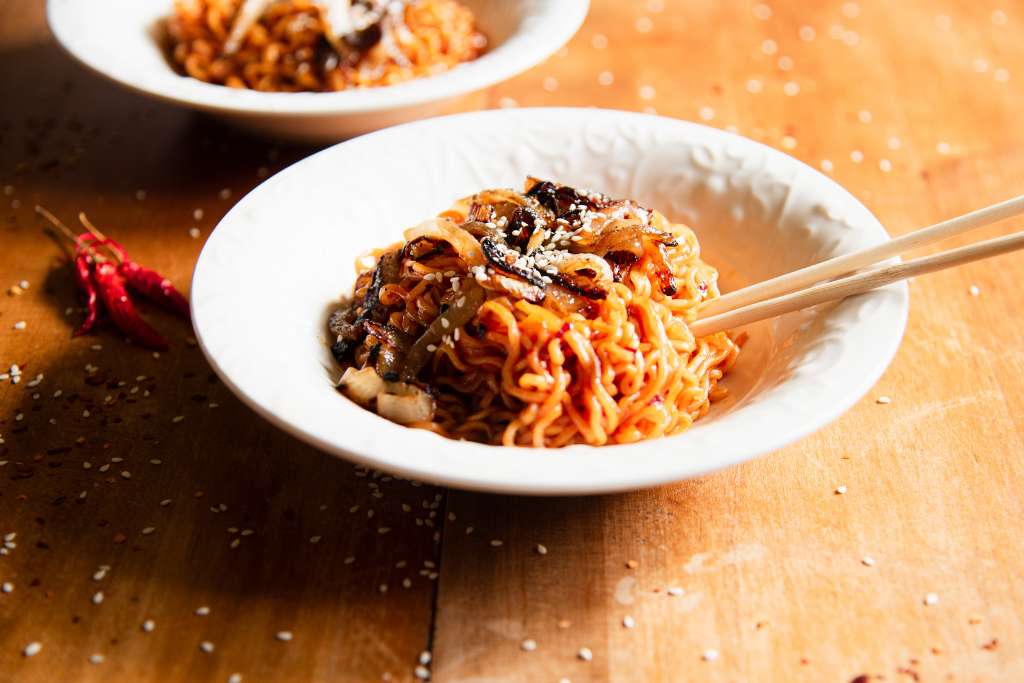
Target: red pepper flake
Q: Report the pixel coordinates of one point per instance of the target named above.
(120, 538)
(991, 645)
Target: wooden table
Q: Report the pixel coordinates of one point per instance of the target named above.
(916, 112)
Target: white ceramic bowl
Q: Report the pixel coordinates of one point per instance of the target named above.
(119, 39)
(271, 270)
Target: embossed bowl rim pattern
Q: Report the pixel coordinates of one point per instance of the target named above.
(268, 273)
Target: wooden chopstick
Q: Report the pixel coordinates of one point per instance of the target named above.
(848, 263)
(856, 284)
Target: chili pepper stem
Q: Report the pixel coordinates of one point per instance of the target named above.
(56, 222)
(95, 232)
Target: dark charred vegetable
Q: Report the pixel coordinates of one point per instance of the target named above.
(521, 226)
(385, 273)
(563, 201)
(499, 256)
(394, 346)
(348, 333)
(458, 314)
(362, 41)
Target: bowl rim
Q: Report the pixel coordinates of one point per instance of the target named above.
(546, 31)
(526, 481)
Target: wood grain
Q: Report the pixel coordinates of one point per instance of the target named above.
(916, 109)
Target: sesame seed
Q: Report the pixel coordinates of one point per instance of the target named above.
(807, 33)
(644, 25)
(156, 461)
(202, 611)
(675, 591)
(788, 142)
(177, 418)
(868, 561)
(148, 625)
(974, 290)
(225, 193)
(165, 502)
(422, 673)
(754, 86)
(206, 646)
(507, 103)
(791, 88)
(542, 549)
(315, 539)
(762, 11)
(864, 116)
(585, 654)
(629, 622)
(126, 474)
(769, 47)
(826, 166)
(841, 489)
(235, 678)
(96, 658)
(883, 400)
(605, 78)
(425, 657)
(20, 325)
(931, 599)
(647, 92)
(148, 530)
(284, 636)
(497, 543)
(194, 233)
(884, 165)
(7, 587)
(705, 114)
(32, 649)
(528, 645)
(632, 564)
(856, 156)
(599, 41)
(709, 655)
(943, 148)
(550, 84)
(97, 597)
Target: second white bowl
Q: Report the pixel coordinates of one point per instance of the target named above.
(119, 39)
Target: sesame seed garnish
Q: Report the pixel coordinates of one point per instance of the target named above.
(235, 678)
(422, 673)
(97, 597)
(599, 41)
(931, 599)
(20, 325)
(315, 539)
(841, 489)
(884, 165)
(647, 92)
(497, 543)
(856, 156)
(709, 655)
(754, 86)
(425, 657)
(542, 549)
(284, 636)
(202, 611)
(974, 290)
(165, 502)
(605, 78)
(528, 645)
(148, 625)
(225, 193)
(177, 418)
(7, 587)
(194, 233)
(629, 622)
(125, 474)
(96, 658)
(943, 148)
(868, 561)
(550, 84)
(206, 646)
(791, 88)
(807, 33)
(32, 649)
(675, 591)
(883, 400)
(585, 654)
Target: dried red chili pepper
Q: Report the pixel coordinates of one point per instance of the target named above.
(83, 277)
(155, 287)
(111, 286)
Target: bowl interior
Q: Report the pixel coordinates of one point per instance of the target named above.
(271, 269)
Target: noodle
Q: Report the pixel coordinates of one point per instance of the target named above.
(287, 48)
(616, 365)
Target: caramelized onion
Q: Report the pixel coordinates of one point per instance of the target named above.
(588, 275)
(464, 244)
